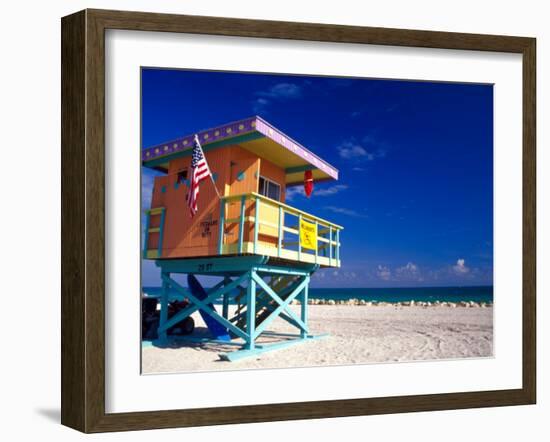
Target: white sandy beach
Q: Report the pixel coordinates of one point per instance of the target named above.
(357, 335)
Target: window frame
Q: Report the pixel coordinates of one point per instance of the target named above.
(183, 172)
(266, 182)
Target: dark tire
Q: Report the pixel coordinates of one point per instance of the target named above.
(188, 325)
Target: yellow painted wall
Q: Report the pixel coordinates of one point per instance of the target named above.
(270, 213)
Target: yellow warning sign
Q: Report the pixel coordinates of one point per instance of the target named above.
(308, 235)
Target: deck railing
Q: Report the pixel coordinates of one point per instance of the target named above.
(254, 224)
(155, 212)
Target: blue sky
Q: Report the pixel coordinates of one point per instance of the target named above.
(415, 193)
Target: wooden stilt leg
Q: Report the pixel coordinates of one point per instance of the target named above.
(225, 307)
(305, 294)
(250, 311)
(164, 299)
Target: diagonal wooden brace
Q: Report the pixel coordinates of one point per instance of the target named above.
(203, 305)
(283, 305)
(264, 303)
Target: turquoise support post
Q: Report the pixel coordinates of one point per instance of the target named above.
(316, 241)
(161, 231)
(225, 307)
(221, 227)
(337, 245)
(250, 311)
(330, 245)
(256, 221)
(164, 298)
(146, 239)
(241, 224)
(305, 307)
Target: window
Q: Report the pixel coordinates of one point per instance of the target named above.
(269, 188)
(182, 176)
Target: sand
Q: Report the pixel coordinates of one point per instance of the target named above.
(357, 335)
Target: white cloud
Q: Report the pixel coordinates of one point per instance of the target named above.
(368, 150)
(409, 268)
(282, 91)
(344, 211)
(292, 192)
(348, 150)
(277, 92)
(332, 190)
(409, 272)
(260, 105)
(319, 275)
(383, 272)
(460, 267)
(460, 272)
(342, 276)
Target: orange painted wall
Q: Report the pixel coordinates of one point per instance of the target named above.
(243, 178)
(198, 236)
(274, 173)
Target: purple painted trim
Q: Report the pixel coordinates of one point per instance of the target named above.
(206, 137)
(293, 146)
(238, 128)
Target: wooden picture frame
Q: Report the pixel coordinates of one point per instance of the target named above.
(83, 220)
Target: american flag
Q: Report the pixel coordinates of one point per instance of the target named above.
(199, 172)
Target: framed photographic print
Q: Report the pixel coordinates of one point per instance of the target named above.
(252, 209)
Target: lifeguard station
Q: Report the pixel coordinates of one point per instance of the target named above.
(263, 250)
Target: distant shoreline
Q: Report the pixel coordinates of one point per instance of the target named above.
(411, 303)
(395, 295)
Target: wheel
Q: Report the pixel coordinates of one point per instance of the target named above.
(184, 327)
(188, 325)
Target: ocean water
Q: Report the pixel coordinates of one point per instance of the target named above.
(400, 294)
(395, 294)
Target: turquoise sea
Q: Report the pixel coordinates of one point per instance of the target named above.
(396, 294)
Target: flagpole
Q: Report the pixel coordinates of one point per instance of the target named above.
(208, 165)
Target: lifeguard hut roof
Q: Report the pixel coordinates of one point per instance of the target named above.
(253, 134)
